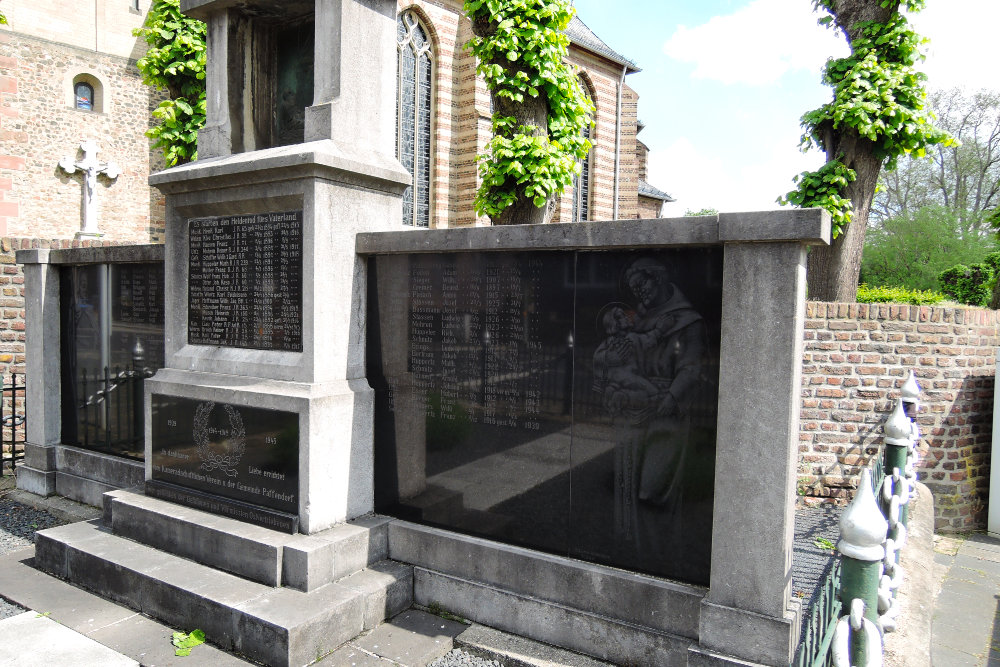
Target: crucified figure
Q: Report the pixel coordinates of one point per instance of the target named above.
(90, 168)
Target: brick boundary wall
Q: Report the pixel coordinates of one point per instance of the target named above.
(855, 359)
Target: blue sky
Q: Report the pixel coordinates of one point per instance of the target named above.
(724, 82)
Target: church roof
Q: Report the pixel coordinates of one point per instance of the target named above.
(647, 190)
(582, 36)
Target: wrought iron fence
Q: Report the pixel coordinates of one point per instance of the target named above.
(13, 420)
(830, 636)
(823, 613)
(110, 414)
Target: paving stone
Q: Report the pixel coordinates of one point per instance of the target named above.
(412, 638)
(943, 656)
(71, 606)
(513, 651)
(31, 639)
(352, 656)
(149, 642)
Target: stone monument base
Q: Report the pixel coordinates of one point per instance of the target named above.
(327, 458)
(276, 598)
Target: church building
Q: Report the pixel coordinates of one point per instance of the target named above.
(68, 75)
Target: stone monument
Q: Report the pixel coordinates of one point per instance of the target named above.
(262, 413)
(265, 315)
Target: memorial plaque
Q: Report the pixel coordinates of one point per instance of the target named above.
(563, 401)
(245, 281)
(249, 456)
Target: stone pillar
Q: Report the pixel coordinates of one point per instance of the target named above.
(344, 179)
(215, 139)
(42, 352)
(355, 110)
(749, 614)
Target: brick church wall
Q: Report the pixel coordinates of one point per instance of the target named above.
(857, 356)
(462, 126)
(39, 126)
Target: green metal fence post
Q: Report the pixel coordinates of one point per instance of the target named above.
(862, 533)
(898, 430)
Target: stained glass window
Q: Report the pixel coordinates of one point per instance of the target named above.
(581, 186)
(84, 93)
(581, 182)
(413, 115)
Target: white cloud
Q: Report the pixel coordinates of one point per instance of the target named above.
(962, 49)
(699, 180)
(757, 44)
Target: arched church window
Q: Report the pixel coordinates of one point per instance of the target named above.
(414, 102)
(582, 181)
(84, 94)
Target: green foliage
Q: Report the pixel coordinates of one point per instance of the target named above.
(175, 62)
(523, 58)
(963, 177)
(702, 211)
(867, 294)
(971, 285)
(824, 188)
(911, 250)
(879, 96)
(185, 642)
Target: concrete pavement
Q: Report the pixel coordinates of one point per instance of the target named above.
(966, 623)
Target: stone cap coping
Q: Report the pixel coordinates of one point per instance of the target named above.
(115, 254)
(202, 9)
(323, 159)
(807, 226)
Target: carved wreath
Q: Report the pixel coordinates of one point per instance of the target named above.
(237, 440)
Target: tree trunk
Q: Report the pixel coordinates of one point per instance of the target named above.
(833, 270)
(532, 112)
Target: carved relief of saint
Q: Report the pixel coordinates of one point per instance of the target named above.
(650, 372)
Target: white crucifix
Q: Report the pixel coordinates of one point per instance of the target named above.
(90, 168)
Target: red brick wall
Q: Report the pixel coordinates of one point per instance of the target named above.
(857, 356)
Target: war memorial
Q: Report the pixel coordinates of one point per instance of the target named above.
(585, 433)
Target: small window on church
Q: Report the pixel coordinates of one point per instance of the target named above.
(134, 5)
(84, 96)
(86, 93)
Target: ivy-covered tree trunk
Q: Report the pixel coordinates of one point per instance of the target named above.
(539, 109)
(532, 112)
(834, 269)
(878, 113)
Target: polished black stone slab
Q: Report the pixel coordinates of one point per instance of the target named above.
(234, 509)
(245, 281)
(244, 454)
(560, 400)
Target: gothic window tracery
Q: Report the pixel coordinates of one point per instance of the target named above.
(414, 105)
(582, 181)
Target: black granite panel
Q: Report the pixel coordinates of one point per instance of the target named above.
(245, 454)
(563, 401)
(234, 509)
(112, 340)
(646, 396)
(245, 281)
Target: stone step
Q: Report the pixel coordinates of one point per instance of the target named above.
(273, 626)
(584, 632)
(303, 562)
(515, 651)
